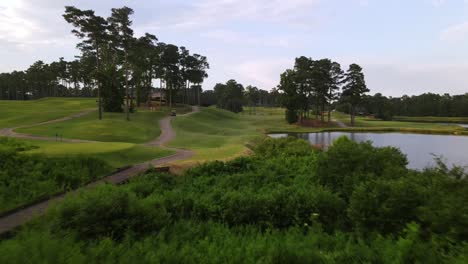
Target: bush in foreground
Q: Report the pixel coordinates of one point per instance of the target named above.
(266, 208)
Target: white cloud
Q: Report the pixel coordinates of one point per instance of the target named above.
(263, 73)
(216, 12)
(27, 25)
(455, 32)
(395, 77)
(242, 39)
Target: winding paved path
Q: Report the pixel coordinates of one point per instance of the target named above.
(11, 221)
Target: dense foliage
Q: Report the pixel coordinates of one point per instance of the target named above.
(314, 85)
(427, 104)
(232, 96)
(287, 203)
(26, 178)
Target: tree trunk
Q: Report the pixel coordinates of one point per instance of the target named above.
(127, 108)
(322, 117)
(186, 92)
(170, 94)
(98, 83)
(329, 113)
(198, 90)
(351, 112)
(160, 94)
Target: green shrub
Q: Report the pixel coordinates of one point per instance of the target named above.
(276, 206)
(347, 163)
(26, 178)
(291, 116)
(108, 211)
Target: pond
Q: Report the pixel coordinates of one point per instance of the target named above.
(419, 149)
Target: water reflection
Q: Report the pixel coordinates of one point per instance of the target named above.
(420, 149)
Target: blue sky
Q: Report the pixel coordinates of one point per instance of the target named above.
(405, 47)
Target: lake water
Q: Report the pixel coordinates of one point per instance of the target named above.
(417, 147)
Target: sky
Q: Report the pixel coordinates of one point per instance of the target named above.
(404, 46)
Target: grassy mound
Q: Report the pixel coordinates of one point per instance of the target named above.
(19, 113)
(113, 127)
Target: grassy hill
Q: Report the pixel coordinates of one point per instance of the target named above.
(19, 113)
(112, 128)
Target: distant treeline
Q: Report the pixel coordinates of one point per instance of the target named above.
(113, 65)
(427, 104)
(232, 96)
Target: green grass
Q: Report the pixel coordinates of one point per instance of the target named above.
(432, 119)
(19, 113)
(218, 134)
(213, 133)
(376, 123)
(143, 127)
(116, 154)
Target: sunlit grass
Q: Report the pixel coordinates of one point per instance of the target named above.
(116, 154)
(114, 127)
(18, 113)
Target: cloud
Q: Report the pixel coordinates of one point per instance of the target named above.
(263, 73)
(26, 25)
(216, 12)
(396, 77)
(438, 3)
(244, 39)
(455, 33)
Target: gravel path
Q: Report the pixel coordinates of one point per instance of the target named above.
(11, 221)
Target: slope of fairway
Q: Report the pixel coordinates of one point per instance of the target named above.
(416, 127)
(112, 128)
(215, 134)
(115, 154)
(18, 113)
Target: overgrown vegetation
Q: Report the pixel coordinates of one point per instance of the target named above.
(26, 178)
(352, 203)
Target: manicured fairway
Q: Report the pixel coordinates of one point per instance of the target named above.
(432, 119)
(218, 134)
(213, 133)
(365, 123)
(112, 128)
(116, 154)
(18, 113)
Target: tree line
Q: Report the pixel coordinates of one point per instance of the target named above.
(114, 65)
(233, 96)
(427, 104)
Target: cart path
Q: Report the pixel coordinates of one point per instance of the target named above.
(339, 123)
(10, 132)
(11, 221)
